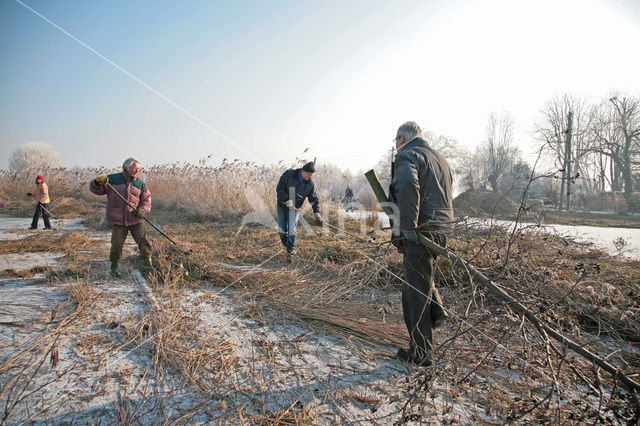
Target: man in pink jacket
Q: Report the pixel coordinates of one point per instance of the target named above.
(122, 217)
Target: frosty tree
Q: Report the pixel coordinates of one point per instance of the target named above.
(34, 155)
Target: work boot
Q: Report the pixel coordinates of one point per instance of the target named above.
(114, 270)
(147, 266)
(411, 357)
(291, 254)
(32, 227)
(439, 320)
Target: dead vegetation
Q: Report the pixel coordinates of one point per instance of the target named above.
(476, 202)
(492, 366)
(578, 291)
(65, 242)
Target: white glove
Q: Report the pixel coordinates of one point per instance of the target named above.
(289, 204)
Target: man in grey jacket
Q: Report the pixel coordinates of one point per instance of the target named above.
(421, 186)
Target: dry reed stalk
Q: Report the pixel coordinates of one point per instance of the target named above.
(25, 364)
(203, 360)
(43, 242)
(26, 273)
(567, 378)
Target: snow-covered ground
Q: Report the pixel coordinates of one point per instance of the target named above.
(107, 371)
(16, 228)
(97, 376)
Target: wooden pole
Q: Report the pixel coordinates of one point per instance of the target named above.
(568, 158)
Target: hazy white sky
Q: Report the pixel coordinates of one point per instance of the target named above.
(263, 81)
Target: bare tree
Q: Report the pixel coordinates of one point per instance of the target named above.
(34, 155)
(470, 175)
(498, 152)
(616, 130)
(551, 130)
(445, 145)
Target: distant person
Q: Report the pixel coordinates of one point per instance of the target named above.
(294, 186)
(421, 186)
(120, 216)
(42, 208)
(348, 199)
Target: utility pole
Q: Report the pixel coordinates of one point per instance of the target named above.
(566, 172)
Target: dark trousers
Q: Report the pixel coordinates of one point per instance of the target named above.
(119, 234)
(421, 303)
(45, 216)
(287, 223)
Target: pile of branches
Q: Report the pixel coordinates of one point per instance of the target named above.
(488, 355)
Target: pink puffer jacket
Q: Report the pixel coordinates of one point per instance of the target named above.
(135, 192)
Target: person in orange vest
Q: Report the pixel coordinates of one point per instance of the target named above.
(42, 195)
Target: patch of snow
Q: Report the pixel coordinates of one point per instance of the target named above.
(16, 228)
(27, 261)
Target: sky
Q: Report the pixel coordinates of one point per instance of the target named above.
(263, 81)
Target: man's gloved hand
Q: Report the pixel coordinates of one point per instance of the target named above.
(411, 236)
(289, 204)
(29, 194)
(101, 180)
(138, 213)
(318, 217)
(398, 242)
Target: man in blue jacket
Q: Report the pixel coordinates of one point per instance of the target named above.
(294, 186)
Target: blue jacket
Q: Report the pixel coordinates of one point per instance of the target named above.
(303, 189)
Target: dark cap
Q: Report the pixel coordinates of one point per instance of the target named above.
(310, 167)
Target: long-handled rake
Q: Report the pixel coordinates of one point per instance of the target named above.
(62, 221)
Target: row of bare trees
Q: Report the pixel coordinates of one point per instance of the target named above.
(605, 152)
(494, 160)
(604, 155)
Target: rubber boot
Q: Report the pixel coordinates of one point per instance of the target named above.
(114, 270)
(147, 266)
(291, 253)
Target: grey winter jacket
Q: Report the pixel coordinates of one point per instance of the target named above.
(421, 187)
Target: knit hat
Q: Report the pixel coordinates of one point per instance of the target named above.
(310, 167)
(40, 177)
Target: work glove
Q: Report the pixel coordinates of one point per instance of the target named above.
(101, 180)
(289, 204)
(318, 217)
(29, 194)
(398, 242)
(138, 213)
(411, 236)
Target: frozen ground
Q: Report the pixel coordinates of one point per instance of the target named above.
(615, 241)
(109, 368)
(104, 373)
(15, 228)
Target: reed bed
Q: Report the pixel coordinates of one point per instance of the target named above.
(197, 191)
